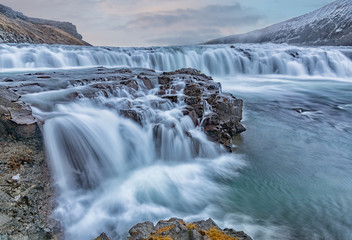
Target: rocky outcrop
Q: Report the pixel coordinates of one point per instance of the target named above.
(15, 27)
(217, 113)
(177, 229)
(25, 189)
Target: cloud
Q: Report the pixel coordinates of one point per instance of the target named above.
(191, 26)
(213, 15)
(145, 22)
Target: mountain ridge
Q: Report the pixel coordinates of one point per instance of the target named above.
(15, 27)
(328, 25)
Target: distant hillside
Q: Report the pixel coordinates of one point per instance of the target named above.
(15, 27)
(329, 25)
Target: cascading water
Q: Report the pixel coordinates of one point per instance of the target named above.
(289, 179)
(219, 61)
(112, 172)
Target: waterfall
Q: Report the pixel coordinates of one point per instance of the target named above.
(221, 60)
(112, 172)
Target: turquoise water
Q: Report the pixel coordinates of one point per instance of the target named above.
(298, 182)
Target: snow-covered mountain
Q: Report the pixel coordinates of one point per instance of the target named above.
(329, 25)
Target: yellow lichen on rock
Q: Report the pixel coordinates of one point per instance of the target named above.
(165, 229)
(182, 222)
(158, 234)
(216, 234)
(176, 228)
(191, 226)
(160, 238)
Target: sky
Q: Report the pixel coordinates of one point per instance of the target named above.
(127, 23)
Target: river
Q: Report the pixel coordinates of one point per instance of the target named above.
(290, 176)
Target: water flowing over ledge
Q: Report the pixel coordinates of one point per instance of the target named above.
(127, 145)
(290, 168)
(218, 60)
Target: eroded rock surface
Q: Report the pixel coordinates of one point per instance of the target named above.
(218, 113)
(25, 191)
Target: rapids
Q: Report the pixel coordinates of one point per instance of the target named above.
(289, 178)
(222, 60)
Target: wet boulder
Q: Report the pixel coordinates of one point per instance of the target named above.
(102, 236)
(218, 114)
(142, 230)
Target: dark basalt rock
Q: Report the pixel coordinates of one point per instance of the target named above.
(217, 113)
(131, 114)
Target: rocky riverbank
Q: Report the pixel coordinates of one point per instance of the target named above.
(26, 192)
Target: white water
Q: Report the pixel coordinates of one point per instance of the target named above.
(213, 60)
(291, 180)
(112, 172)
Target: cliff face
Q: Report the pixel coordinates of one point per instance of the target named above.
(15, 27)
(329, 25)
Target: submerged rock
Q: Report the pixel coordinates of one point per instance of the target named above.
(177, 229)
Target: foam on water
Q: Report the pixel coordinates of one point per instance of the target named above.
(222, 60)
(112, 172)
